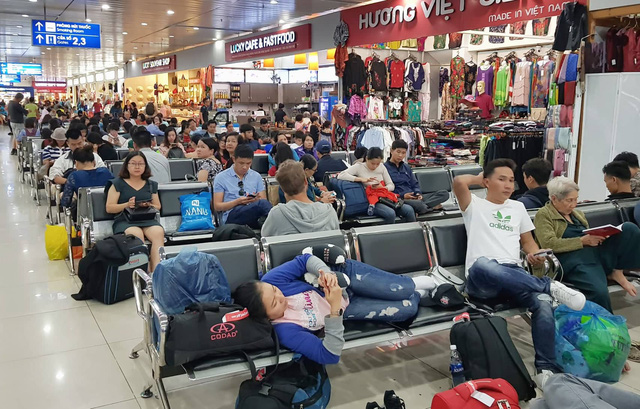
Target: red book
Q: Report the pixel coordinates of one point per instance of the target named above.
(604, 231)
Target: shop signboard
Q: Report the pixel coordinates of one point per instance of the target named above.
(65, 34)
(161, 64)
(13, 68)
(14, 90)
(9, 78)
(50, 86)
(396, 20)
(290, 40)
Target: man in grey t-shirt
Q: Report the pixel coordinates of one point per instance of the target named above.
(160, 171)
(16, 117)
(299, 214)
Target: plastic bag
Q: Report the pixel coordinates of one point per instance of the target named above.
(196, 212)
(592, 343)
(55, 242)
(190, 277)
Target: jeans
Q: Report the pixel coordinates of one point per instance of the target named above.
(376, 295)
(389, 215)
(429, 201)
(564, 391)
(488, 279)
(636, 214)
(249, 214)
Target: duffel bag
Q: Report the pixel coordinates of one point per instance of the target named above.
(214, 329)
(354, 196)
(478, 394)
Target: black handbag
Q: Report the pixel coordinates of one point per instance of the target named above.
(388, 202)
(140, 214)
(214, 329)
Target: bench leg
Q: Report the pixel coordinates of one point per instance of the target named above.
(527, 318)
(146, 392)
(134, 352)
(162, 393)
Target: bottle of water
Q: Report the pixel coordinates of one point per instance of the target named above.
(456, 368)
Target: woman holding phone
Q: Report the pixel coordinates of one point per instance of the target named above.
(130, 190)
(171, 141)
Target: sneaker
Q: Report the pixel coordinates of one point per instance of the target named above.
(393, 401)
(542, 376)
(14, 151)
(567, 296)
(373, 405)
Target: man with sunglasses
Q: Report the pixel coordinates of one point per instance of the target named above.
(239, 192)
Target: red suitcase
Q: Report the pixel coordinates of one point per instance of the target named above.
(478, 394)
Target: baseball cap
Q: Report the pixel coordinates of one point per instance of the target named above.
(59, 134)
(323, 147)
(443, 296)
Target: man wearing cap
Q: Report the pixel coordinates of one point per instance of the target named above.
(325, 162)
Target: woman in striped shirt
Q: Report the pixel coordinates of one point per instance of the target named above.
(56, 149)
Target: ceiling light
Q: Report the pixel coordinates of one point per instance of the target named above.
(274, 1)
(15, 34)
(43, 51)
(281, 21)
(105, 7)
(124, 33)
(170, 12)
(144, 24)
(196, 28)
(33, 1)
(171, 36)
(19, 26)
(135, 48)
(25, 15)
(48, 48)
(88, 20)
(77, 53)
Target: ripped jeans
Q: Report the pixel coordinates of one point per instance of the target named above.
(377, 295)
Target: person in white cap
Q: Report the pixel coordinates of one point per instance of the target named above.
(56, 149)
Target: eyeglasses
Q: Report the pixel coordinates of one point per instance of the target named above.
(136, 164)
(241, 192)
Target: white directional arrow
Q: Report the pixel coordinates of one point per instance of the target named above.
(39, 38)
(39, 25)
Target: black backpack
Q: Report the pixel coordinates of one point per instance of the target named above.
(107, 269)
(300, 383)
(175, 153)
(487, 351)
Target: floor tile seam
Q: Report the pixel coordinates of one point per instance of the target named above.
(115, 403)
(41, 312)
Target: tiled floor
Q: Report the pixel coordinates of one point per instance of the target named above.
(56, 352)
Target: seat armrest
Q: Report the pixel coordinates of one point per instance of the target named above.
(163, 321)
(140, 276)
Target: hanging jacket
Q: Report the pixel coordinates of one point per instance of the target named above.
(572, 27)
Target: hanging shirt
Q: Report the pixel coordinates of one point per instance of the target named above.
(414, 76)
(521, 84)
(414, 111)
(376, 108)
(457, 78)
(396, 73)
(485, 73)
(439, 41)
(470, 72)
(502, 86)
(455, 40)
(377, 76)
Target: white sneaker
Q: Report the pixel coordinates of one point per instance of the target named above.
(542, 377)
(571, 298)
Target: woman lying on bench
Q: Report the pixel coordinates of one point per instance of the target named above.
(303, 296)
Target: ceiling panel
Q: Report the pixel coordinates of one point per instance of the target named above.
(193, 22)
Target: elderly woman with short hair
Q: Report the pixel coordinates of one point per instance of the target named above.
(588, 261)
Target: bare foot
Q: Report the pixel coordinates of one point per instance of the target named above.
(618, 277)
(627, 367)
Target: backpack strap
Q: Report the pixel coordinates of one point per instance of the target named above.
(252, 364)
(514, 357)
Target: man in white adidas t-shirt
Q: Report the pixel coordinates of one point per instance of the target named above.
(496, 229)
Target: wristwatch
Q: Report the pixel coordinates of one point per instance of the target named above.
(339, 314)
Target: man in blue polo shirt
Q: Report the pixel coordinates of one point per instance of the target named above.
(406, 183)
(239, 192)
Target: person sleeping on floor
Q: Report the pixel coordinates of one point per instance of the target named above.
(304, 296)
